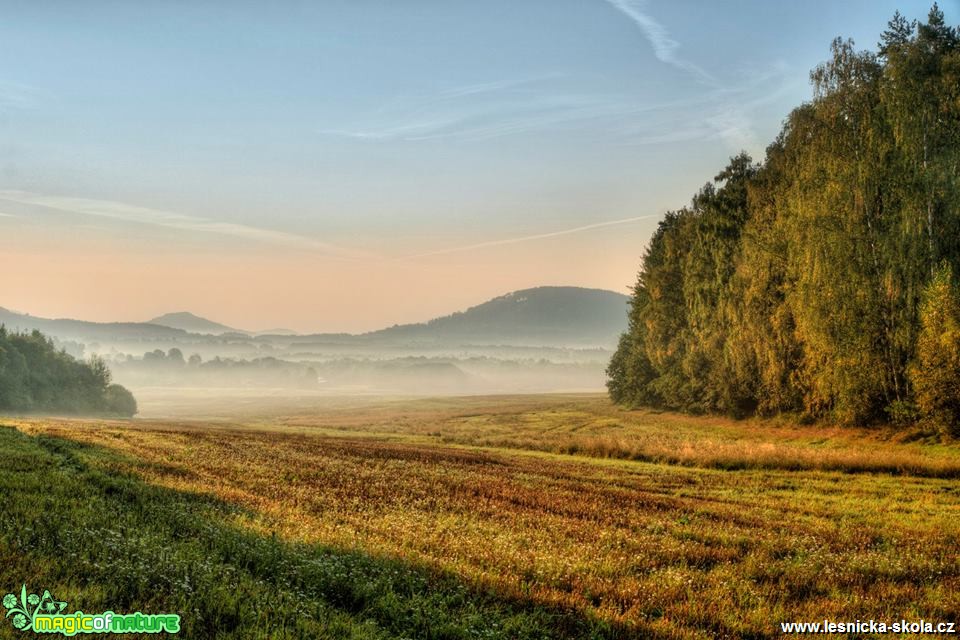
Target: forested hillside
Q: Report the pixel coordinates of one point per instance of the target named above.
(822, 281)
(539, 316)
(35, 376)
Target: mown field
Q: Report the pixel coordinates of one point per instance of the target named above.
(498, 517)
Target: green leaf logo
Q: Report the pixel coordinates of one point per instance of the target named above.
(22, 609)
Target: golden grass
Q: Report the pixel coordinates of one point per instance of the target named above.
(589, 425)
(685, 551)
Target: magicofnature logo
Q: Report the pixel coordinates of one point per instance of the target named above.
(44, 614)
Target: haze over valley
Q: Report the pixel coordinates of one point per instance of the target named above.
(534, 340)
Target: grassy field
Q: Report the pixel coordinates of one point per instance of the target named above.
(470, 518)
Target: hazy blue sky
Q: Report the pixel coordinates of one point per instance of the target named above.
(346, 165)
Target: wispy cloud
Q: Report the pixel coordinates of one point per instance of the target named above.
(734, 127)
(673, 134)
(478, 111)
(494, 86)
(728, 120)
(537, 236)
(665, 48)
(517, 112)
(510, 107)
(170, 220)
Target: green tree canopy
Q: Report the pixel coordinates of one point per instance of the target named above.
(36, 377)
(796, 285)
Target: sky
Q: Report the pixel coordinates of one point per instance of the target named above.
(345, 166)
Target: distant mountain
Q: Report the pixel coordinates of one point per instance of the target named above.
(192, 323)
(539, 317)
(88, 331)
(555, 316)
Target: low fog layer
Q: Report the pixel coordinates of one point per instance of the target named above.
(538, 340)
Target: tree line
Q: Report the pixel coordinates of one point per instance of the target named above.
(822, 281)
(37, 377)
(171, 368)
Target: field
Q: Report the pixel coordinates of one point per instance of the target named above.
(480, 517)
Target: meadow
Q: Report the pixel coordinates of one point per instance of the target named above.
(548, 516)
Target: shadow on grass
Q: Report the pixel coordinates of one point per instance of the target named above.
(105, 540)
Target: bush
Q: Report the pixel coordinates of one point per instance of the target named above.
(120, 401)
(902, 413)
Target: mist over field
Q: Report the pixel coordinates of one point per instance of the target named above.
(537, 340)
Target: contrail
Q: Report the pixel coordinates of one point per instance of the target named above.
(539, 236)
(664, 47)
(730, 123)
